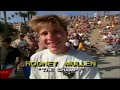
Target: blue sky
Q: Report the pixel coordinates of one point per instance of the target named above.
(90, 13)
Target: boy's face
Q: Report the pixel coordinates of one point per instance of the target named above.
(53, 38)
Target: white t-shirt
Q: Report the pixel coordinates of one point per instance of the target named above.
(76, 42)
(107, 27)
(74, 34)
(67, 44)
(71, 55)
(19, 43)
(105, 37)
(80, 34)
(111, 37)
(99, 22)
(71, 40)
(86, 42)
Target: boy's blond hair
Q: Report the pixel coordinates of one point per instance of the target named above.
(38, 22)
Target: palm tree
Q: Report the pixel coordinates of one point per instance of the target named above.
(2, 19)
(28, 15)
(6, 26)
(9, 18)
(24, 26)
(19, 13)
(16, 14)
(5, 16)
(0, 14)
(32, 13)
(13, 18)
(23, 15)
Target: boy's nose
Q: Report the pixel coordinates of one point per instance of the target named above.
(51, 35)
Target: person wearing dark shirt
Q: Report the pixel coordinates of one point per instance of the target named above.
(8, 55)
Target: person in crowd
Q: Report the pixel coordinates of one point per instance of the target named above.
(8, 55)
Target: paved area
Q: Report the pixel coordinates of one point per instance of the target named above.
(109, 67)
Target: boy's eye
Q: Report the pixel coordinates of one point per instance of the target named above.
(44, 33)
(57, 31)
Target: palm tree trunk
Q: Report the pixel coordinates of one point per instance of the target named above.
(17, 19)
(0, 15)
(13, 20)
(6, 26)
(28, 15)
(31, 16)
(24, 21)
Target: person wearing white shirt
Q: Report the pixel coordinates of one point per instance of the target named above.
(76, 43)
(20, 42)
(52, 30)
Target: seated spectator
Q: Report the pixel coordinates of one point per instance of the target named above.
(109, 47)
(68, 44)
(8, 55)
(87, 42)
(104, 38)
(81, 46)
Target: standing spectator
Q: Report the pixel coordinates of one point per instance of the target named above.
(8, 55)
